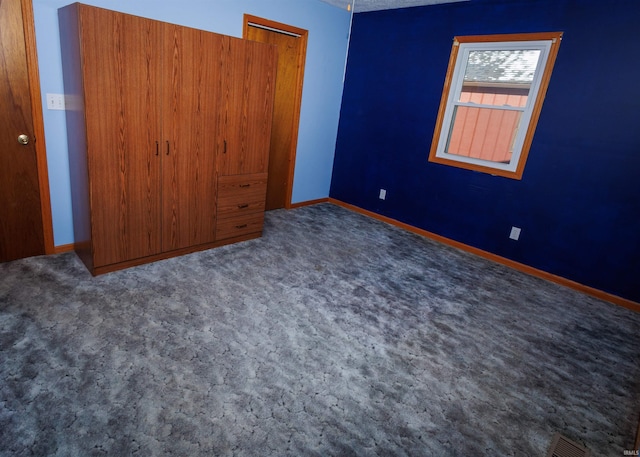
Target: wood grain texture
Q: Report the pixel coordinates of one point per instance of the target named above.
(241, 194)
(246, 110)
(241, 225)
(21, 223)
(38, 125)
(240, 183)
(121, 67)
(190, 90)
(287, 102)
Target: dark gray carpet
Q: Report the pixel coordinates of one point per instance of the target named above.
(333, 335)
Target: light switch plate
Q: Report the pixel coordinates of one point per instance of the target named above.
(55, 101)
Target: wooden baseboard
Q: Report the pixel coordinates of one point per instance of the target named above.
(496, 258)
(307, 203)
(64, 248)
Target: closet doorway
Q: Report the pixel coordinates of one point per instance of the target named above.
(292, 47)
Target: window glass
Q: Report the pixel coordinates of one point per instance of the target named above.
(492, 98)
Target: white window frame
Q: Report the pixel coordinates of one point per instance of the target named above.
(547, 44)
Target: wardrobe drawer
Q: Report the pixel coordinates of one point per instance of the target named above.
(240, 225)
(241, 203)
(237, 185)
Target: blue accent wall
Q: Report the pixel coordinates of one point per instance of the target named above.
(328, 28)
(578, 203)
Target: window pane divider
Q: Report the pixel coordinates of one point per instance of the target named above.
(501, 107)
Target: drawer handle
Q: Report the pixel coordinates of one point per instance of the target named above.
(241, 226)
(245, 185)
(246, 205)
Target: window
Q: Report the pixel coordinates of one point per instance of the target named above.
(491, 101)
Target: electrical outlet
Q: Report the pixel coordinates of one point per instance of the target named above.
(383, 194)
(515, 233)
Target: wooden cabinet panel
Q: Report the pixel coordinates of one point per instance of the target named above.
(191, 92)
(119, 52)
(259, 73)
(248, 87)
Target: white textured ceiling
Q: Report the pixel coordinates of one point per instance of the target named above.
(360, 6)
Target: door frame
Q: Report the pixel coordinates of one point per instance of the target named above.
(303, 35)
(38, 125)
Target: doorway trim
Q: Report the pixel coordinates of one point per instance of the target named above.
(268, 24)
(38, 124)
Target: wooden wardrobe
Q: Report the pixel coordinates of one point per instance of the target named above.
(168, 130)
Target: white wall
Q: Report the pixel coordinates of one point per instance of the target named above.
(328, 28)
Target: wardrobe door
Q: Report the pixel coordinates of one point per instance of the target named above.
(246, 106)
(191, 88)
(120, 69)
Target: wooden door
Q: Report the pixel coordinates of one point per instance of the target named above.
(292, 44)
(246, 109)
(121, 72)
(21, 221)
(191, 89)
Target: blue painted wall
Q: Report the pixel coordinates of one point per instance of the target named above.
(578, 203)
(326, 52)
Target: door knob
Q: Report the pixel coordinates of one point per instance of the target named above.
(23, 139)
